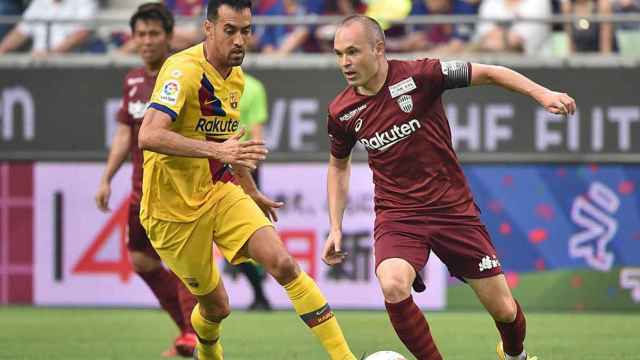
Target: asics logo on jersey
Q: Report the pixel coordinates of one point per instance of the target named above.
(384, 140)
(217, 126)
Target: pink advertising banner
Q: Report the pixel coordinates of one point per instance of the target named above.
(80, 255)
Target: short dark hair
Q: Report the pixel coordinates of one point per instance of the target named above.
(153, 11)
(214, 5)
(374, 30)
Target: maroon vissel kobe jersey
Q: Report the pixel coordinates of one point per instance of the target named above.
(407, 136)
(138, 86)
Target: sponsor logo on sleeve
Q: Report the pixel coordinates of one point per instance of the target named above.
(169, 92)
(402, 87)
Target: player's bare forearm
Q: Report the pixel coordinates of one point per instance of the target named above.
(338, 175)
(243, 175)
(509, 79)
(156, 135)
(118, 153)
(555, 102)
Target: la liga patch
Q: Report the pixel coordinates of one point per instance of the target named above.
(170, 91)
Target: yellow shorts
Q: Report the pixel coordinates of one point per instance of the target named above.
(187, 248)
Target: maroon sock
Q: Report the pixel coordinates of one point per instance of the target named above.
(163, 285)
(412, 328)
(187, 302)
(513, 333)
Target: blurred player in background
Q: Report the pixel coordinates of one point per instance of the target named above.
(422, 200)
(253, 114)
(193, 158)
(152, 28)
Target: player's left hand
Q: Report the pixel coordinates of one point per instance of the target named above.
(556, 102)
(267, 205)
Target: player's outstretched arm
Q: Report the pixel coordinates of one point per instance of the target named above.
(156, 135)
(555, 102)
(337, 189)
(117, 156)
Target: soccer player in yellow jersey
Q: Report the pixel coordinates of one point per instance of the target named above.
(193, 161)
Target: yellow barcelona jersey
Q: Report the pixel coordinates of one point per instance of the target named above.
(203, 105)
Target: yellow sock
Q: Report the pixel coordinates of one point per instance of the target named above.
(314, 310)
(208, 332)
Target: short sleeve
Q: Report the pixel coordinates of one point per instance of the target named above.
(429, 74)
(439, 76)
(176, 81)
(340, 141)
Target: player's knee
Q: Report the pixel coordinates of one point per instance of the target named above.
(504, 310)
(394, 288)
(143, 263)
(284, 269)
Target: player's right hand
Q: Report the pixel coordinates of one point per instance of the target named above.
(242, 153)
(332, 253)
(102, 196)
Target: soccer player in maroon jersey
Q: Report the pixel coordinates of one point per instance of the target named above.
(422, 200)
(152, 29)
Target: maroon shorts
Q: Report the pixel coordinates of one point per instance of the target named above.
(466, 249)
(138, 240)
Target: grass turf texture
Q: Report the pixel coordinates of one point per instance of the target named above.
(44, 333)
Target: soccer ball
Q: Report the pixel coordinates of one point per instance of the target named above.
(385, 355)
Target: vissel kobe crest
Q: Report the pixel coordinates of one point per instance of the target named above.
(405, 102)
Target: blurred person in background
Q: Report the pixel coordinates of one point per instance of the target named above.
(585, 35)
(253, 115)
(437, 37)
(514, 36)
(283, 39)
(152, 28)
(61, 36)
(9, 8)
(626, 7)
(324, 33)
(186, 35)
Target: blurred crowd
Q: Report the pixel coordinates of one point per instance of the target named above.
(70, 29)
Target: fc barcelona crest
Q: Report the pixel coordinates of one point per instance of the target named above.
(405, 102)
(234, 99)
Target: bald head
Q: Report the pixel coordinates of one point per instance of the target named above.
(370, 26)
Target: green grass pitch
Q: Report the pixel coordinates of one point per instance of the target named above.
(142, 334)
